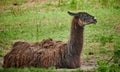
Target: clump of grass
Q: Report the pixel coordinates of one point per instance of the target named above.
(103, 67)
(1, 53)
(110, 3)
(25, 70)
(106, 38)
(16, 11)
(117, 56)
(117, 51)
(32, 69)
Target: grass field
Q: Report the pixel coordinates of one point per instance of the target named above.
(37, 20)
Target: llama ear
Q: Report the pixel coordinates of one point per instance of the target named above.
(72, 14)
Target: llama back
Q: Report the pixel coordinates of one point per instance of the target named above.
(19, 56)
(49, 54)
(40, 54)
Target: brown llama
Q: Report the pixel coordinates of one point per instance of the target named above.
(49, 52)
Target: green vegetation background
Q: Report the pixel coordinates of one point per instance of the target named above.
(35, 20)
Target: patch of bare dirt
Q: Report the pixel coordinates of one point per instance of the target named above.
(29, 3)
(33, 2)
(117, 27)
(89, 64)
(1, 7)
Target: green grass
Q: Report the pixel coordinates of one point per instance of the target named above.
(37, 70)
(7, 2)
(26, 70)
(40, 21)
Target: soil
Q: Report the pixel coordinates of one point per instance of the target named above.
(89, 64)
(117, 27)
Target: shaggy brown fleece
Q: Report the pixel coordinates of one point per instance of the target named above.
(41, 54)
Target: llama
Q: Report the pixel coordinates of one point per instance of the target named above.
(50, 52)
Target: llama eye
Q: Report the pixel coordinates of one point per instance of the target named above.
(84, 19)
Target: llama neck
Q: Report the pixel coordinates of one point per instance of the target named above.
(75, 42)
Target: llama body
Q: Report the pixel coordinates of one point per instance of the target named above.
(49, 52)
(41, 54)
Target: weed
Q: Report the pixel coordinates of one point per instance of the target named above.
(1, 53)
(103, 67)
(104, 39)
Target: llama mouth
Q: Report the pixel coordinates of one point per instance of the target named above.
(94, 21)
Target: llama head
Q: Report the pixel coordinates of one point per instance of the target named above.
(83, 18)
